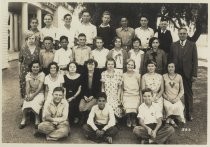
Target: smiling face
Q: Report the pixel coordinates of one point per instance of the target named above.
(130, 66)
(53, 69)
(67, 20)
(171, 68)
(48, 20)
(72, 68)
(86, 17)
(64, 43)
(110, 65)
(151, 68)
(155, 44)
(124, 22)
(35, 68)
(57, 96)
(82, 40)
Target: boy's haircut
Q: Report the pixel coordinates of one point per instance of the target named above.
(147, 90)
(66, 15)
(99, 38)
(34, 18)
(85, 11)
(58, 89)
(81, 35)
(106, 13)
(49, 15)
(63, 37)
(144, 15)
(53, 63)
(163, 19)
(102, 94)
(48, 38)
(182, 28)
(151, 40)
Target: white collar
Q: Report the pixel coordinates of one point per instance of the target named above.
(102, 26)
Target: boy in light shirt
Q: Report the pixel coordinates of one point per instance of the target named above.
(100, 54)
(151, 129)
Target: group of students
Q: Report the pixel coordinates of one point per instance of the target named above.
(91, 84)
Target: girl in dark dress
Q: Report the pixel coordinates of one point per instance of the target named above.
(72, 85)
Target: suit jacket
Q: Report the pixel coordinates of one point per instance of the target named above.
(96, 84)
(165, 40)
(185, 58)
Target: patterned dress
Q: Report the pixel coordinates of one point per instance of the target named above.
(154, 83)
(25, 59)
(38, 101)
(111, 89)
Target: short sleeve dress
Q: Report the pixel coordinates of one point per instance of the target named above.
(173, 88)
(154, 82)
(72, 86)
(38, 101)
(111, 89)
(131, 90)
(52, 84)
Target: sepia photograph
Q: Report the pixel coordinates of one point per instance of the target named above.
(102, 72)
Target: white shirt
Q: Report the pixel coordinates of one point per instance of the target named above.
(149, 114)
(52, 84)
(144, 35)
(89, 30)
(63, 57)
(136, 58)
(118, 57)
(70, 33)
(100, 56)
(105, 117)
(51, 31)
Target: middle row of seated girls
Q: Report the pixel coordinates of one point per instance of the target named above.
(82, 53)
(123, 90)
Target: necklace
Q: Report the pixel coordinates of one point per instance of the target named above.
(172, 77)
(53, 78)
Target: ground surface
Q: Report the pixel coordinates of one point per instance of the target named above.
(11, 116)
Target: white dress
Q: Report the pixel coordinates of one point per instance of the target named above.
(52, 84)
(38, 101)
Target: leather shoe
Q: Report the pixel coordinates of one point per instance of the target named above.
(21, 126)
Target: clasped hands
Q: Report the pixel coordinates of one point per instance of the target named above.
(99, 133)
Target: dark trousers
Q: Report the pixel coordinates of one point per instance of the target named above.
(188, 97)
(111, 132)
(74, 110)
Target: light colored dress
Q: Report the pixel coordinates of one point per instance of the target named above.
(52, 84)
(154, 83)
(38, 101)
(111, 84)
(131, 97)
(174, 88)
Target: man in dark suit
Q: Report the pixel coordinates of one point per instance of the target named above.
(184, 54)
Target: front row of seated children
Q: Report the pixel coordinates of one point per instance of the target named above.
(101, 123)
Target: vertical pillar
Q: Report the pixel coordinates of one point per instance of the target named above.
(39, 17)
(24, 17)
(16, 32)
(11, 32)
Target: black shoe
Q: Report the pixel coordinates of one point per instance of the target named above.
(21, 126)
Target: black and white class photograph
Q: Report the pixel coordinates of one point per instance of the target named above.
(104, 72)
